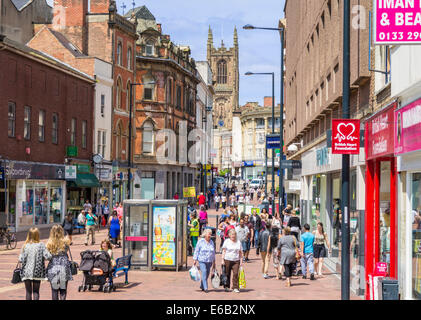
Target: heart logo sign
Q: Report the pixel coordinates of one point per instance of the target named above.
(345, 136)
(345, 132)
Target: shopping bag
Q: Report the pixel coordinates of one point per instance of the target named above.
(194, 274)
(17, 274)
(242, 278)
(216, 281)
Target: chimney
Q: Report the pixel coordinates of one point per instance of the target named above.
(267, 102)
(159, 27)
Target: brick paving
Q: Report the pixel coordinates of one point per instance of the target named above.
(171, 285)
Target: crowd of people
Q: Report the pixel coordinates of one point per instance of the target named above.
(279, 239)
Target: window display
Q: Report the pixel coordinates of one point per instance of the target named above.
(41, 203)
(385, 212)
(416, 235)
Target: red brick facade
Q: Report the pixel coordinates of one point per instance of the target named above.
(42, 84)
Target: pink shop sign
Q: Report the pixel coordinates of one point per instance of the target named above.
(397, 21)
(408, 128)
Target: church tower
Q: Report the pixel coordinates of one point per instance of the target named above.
(225, 68)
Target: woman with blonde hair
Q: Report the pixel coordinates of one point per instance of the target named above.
(58, 270)
(32, 258)
(204, 255)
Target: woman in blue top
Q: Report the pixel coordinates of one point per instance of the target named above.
(204, 254)
(114, 224)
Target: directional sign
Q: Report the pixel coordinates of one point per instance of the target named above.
(273, 141)
(291, 164)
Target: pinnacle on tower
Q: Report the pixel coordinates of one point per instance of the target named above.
(210, 36)
(235, 37)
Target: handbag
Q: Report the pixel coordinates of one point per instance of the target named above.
(216, 280)
(73, 265)
(17, 275)
(223, 278)
(297, 251)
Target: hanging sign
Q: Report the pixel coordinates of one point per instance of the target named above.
(345, 136)
(397, 22)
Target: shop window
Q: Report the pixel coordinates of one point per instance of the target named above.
(385, 211)
(416, 235)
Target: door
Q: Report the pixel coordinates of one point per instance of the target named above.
(136, 234)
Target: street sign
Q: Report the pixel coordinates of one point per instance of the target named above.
(397, 22)
(345, 136)
(70, 173)
(273, 141)
(291, 164)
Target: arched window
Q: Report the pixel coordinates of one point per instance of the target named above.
(222, 72)
(128, 96)
(119, 141)
(118, 93)
(149, 48)
(119, 54)
(129, 59)
(147, 141)
(169, 90)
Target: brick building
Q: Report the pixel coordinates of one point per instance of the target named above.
(94, 29)
(165, 100)
(49, 108)
(313, 97)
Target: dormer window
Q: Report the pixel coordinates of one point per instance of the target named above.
(149, 48)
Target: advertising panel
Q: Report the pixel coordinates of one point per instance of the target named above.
(345, 136)
(408, 128)
(397, 22)
(164, 236)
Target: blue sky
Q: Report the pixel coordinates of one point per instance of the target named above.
(187, 22)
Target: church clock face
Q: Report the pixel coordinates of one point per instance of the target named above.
(221, 123)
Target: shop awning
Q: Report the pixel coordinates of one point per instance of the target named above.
(85, 180)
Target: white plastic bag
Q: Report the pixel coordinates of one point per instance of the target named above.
(216, 281)
(194, 274)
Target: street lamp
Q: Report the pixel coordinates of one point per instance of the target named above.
(130, 135)
(273, 131)
(281, 171)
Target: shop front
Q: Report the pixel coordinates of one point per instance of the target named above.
(381, 200)
(35, 194)
(104, 174)
(408, 152)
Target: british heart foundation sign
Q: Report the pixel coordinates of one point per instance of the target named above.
(345, 136)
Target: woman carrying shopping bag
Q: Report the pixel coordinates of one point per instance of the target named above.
(232, 258)
(204, 256)
(32, 257)
(58, 270)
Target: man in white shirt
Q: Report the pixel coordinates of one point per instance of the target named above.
(242, 234)
(217, 201)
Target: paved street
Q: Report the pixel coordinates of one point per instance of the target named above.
(168, 285)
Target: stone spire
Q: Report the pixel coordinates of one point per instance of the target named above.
(235, 37)
(210, 43)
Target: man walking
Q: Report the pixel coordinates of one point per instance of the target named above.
(242, 234)
(87, 206)
(307, 239)
(249, 225)
(257, 225)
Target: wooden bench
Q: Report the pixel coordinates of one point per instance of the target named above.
(122, 266)
(77, 226)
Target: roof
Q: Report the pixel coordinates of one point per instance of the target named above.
(43, 56)
(67, 44)
(21, 4)
(141, 13)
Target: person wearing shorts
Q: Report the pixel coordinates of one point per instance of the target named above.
(242, 234)
(319, 249)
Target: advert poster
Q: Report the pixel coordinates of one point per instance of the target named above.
(397, 21)
(345, 136)
(408, 128)
(164, 236)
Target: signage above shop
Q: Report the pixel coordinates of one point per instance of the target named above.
(25, 170)
(248, 163)
(408, 128)
(291, 164)
(345, 136)
(397, 22)
(379, 133)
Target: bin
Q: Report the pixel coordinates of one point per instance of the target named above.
(388, 289)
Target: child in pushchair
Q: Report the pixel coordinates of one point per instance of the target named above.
(97, 267)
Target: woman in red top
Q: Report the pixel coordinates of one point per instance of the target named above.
(202, 199)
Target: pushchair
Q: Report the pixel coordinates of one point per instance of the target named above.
(97, 271)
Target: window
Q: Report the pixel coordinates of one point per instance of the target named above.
(178, 97)
(147, 95)
(118, 96)
(73, 132)
(119, 142)
(55, 128)
(12, 119)
(148, 137)
(222, 72)
(119, 54)
(84, 131)
(129, 58)
(27, 123)
(41, 126)
(128, 96)
(169, 91)
(102, 105)
(149, 48)
(101, 142)
(260, 123)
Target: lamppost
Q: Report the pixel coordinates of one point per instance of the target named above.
(130, 135)
(273, 131)
(281, 115)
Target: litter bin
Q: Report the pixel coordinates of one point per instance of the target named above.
(213, 236)
(388, 289)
